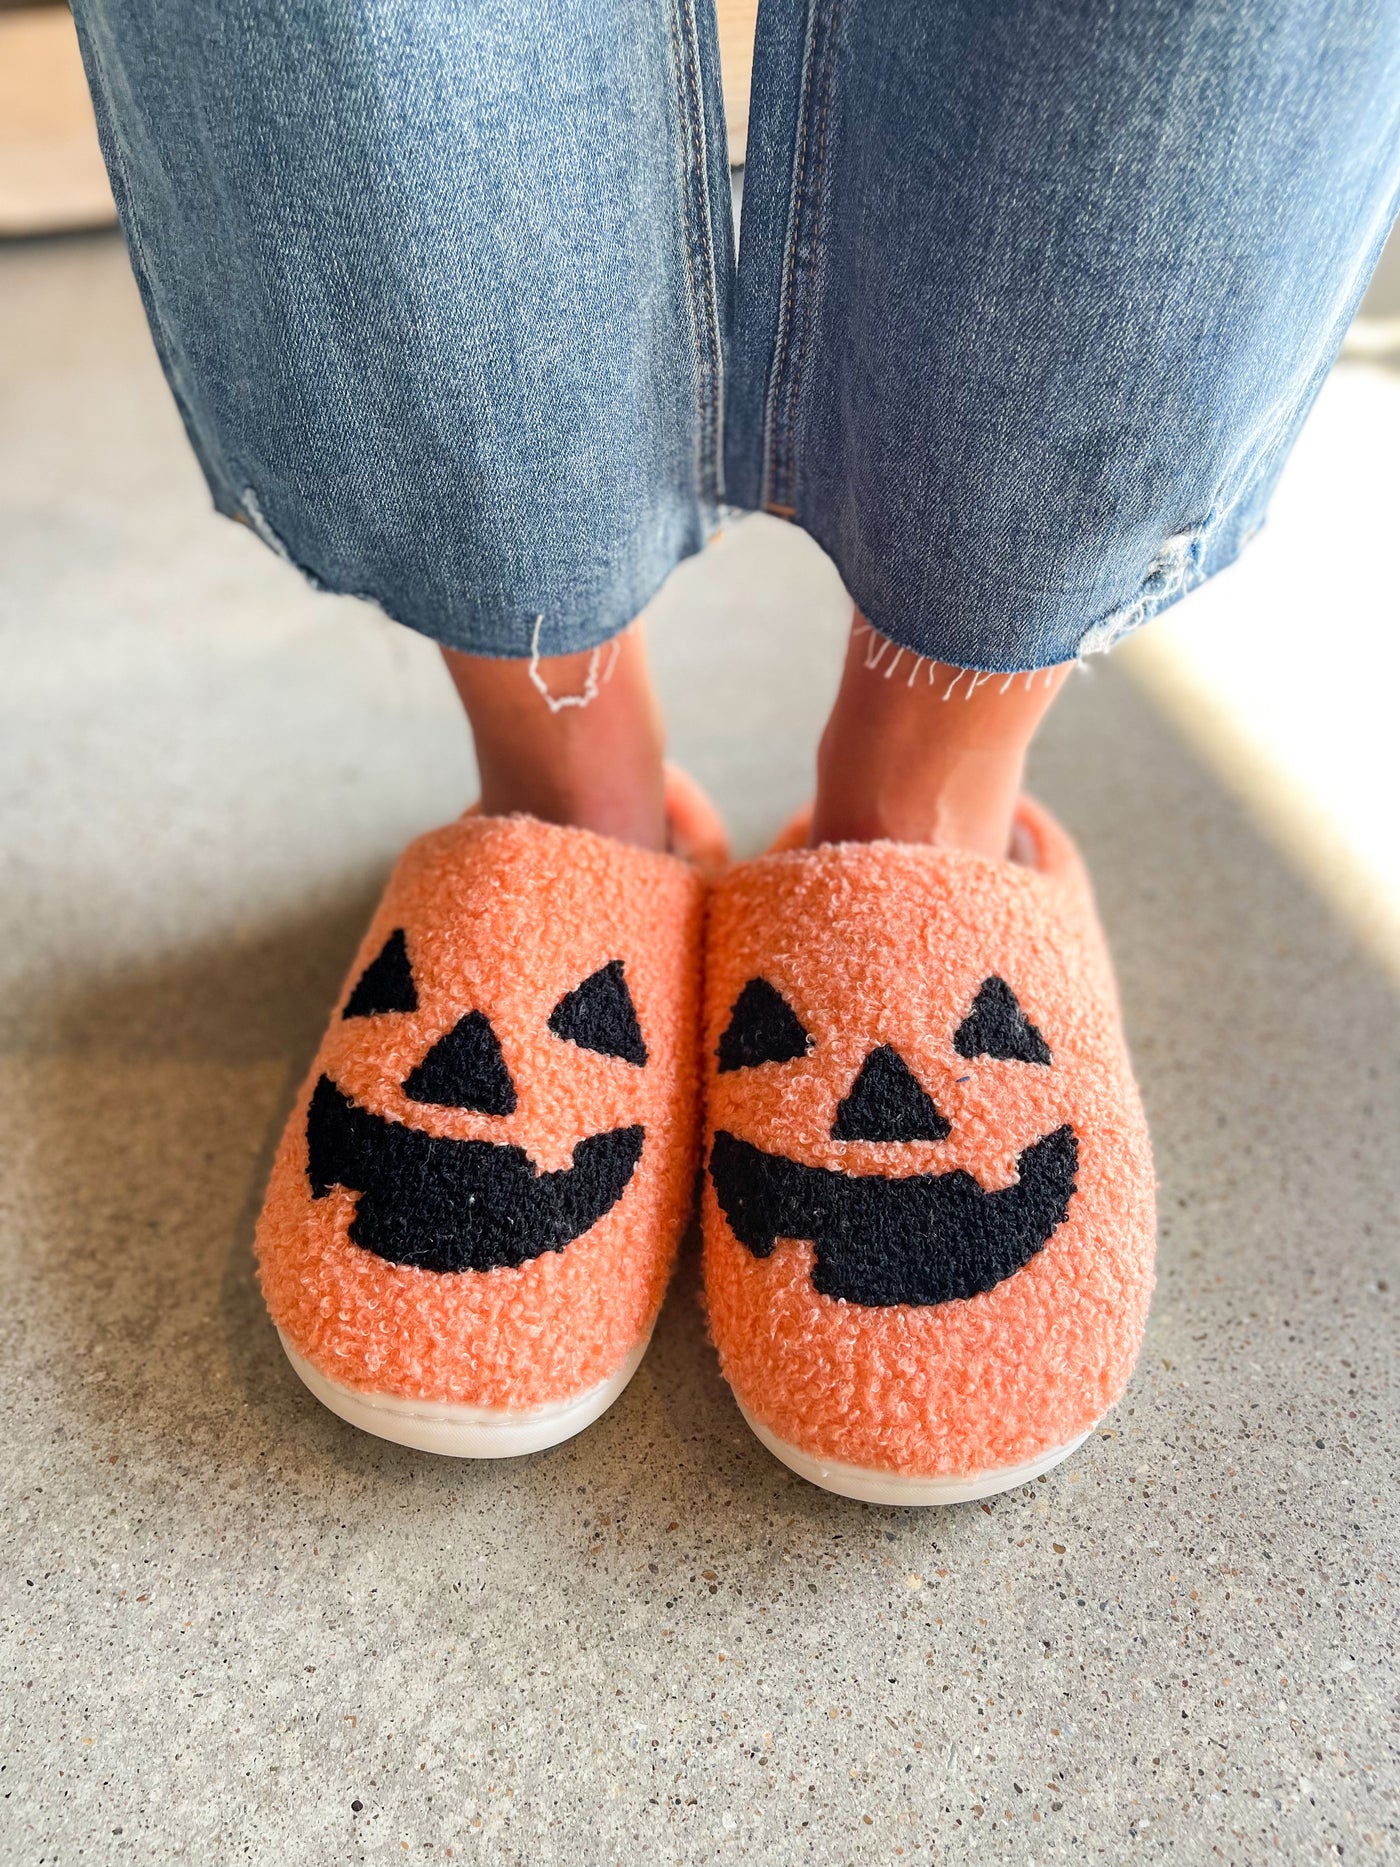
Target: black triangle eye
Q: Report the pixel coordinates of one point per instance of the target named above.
(997, 1027)
(599, 1015)
(386, 984)
(762, 1028)
(465, 1070)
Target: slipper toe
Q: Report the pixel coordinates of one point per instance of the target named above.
(929, 1200)
(475, 1206)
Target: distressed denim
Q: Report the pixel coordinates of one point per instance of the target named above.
(1032, 299)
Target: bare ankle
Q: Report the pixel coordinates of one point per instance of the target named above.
(571, 739)
(938, 759)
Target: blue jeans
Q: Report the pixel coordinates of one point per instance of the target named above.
(1032, 298)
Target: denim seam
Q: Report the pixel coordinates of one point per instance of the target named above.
(787, 282)
(805, 303)
(798, 307)
(712, 316)
(704, 311)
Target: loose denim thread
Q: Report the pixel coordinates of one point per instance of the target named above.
(875, 652)
(592, 681)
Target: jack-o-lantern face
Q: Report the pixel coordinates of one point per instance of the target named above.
(879, 1239)
(440, 1203)
(480, 1192)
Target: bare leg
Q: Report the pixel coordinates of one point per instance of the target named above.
(935, 760)
(596, 764)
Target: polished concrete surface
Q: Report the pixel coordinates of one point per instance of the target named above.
(235, 1630)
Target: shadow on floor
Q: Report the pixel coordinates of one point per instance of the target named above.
(156, 1101)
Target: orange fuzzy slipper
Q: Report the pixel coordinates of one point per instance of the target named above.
(929, 1213)
(475, 1206)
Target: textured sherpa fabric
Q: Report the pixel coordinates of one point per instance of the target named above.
(446, 1123)
(987, 1276)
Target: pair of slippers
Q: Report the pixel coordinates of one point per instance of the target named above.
(927, 1185)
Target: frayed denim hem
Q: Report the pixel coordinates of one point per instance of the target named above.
(885, 657)
(524, 636)
(1185, 560)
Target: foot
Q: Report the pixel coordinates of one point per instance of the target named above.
(929, 1204)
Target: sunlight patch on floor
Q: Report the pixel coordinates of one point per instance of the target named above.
(1284, 673)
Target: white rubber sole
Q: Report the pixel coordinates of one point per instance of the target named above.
(870, 1486)
(460, 1432)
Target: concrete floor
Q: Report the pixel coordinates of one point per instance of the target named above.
(235, 1630)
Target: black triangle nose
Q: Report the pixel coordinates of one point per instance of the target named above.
(887, 1102)
(464, 1070)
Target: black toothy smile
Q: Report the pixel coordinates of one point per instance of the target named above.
(444, 1205)
(925, 1238)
